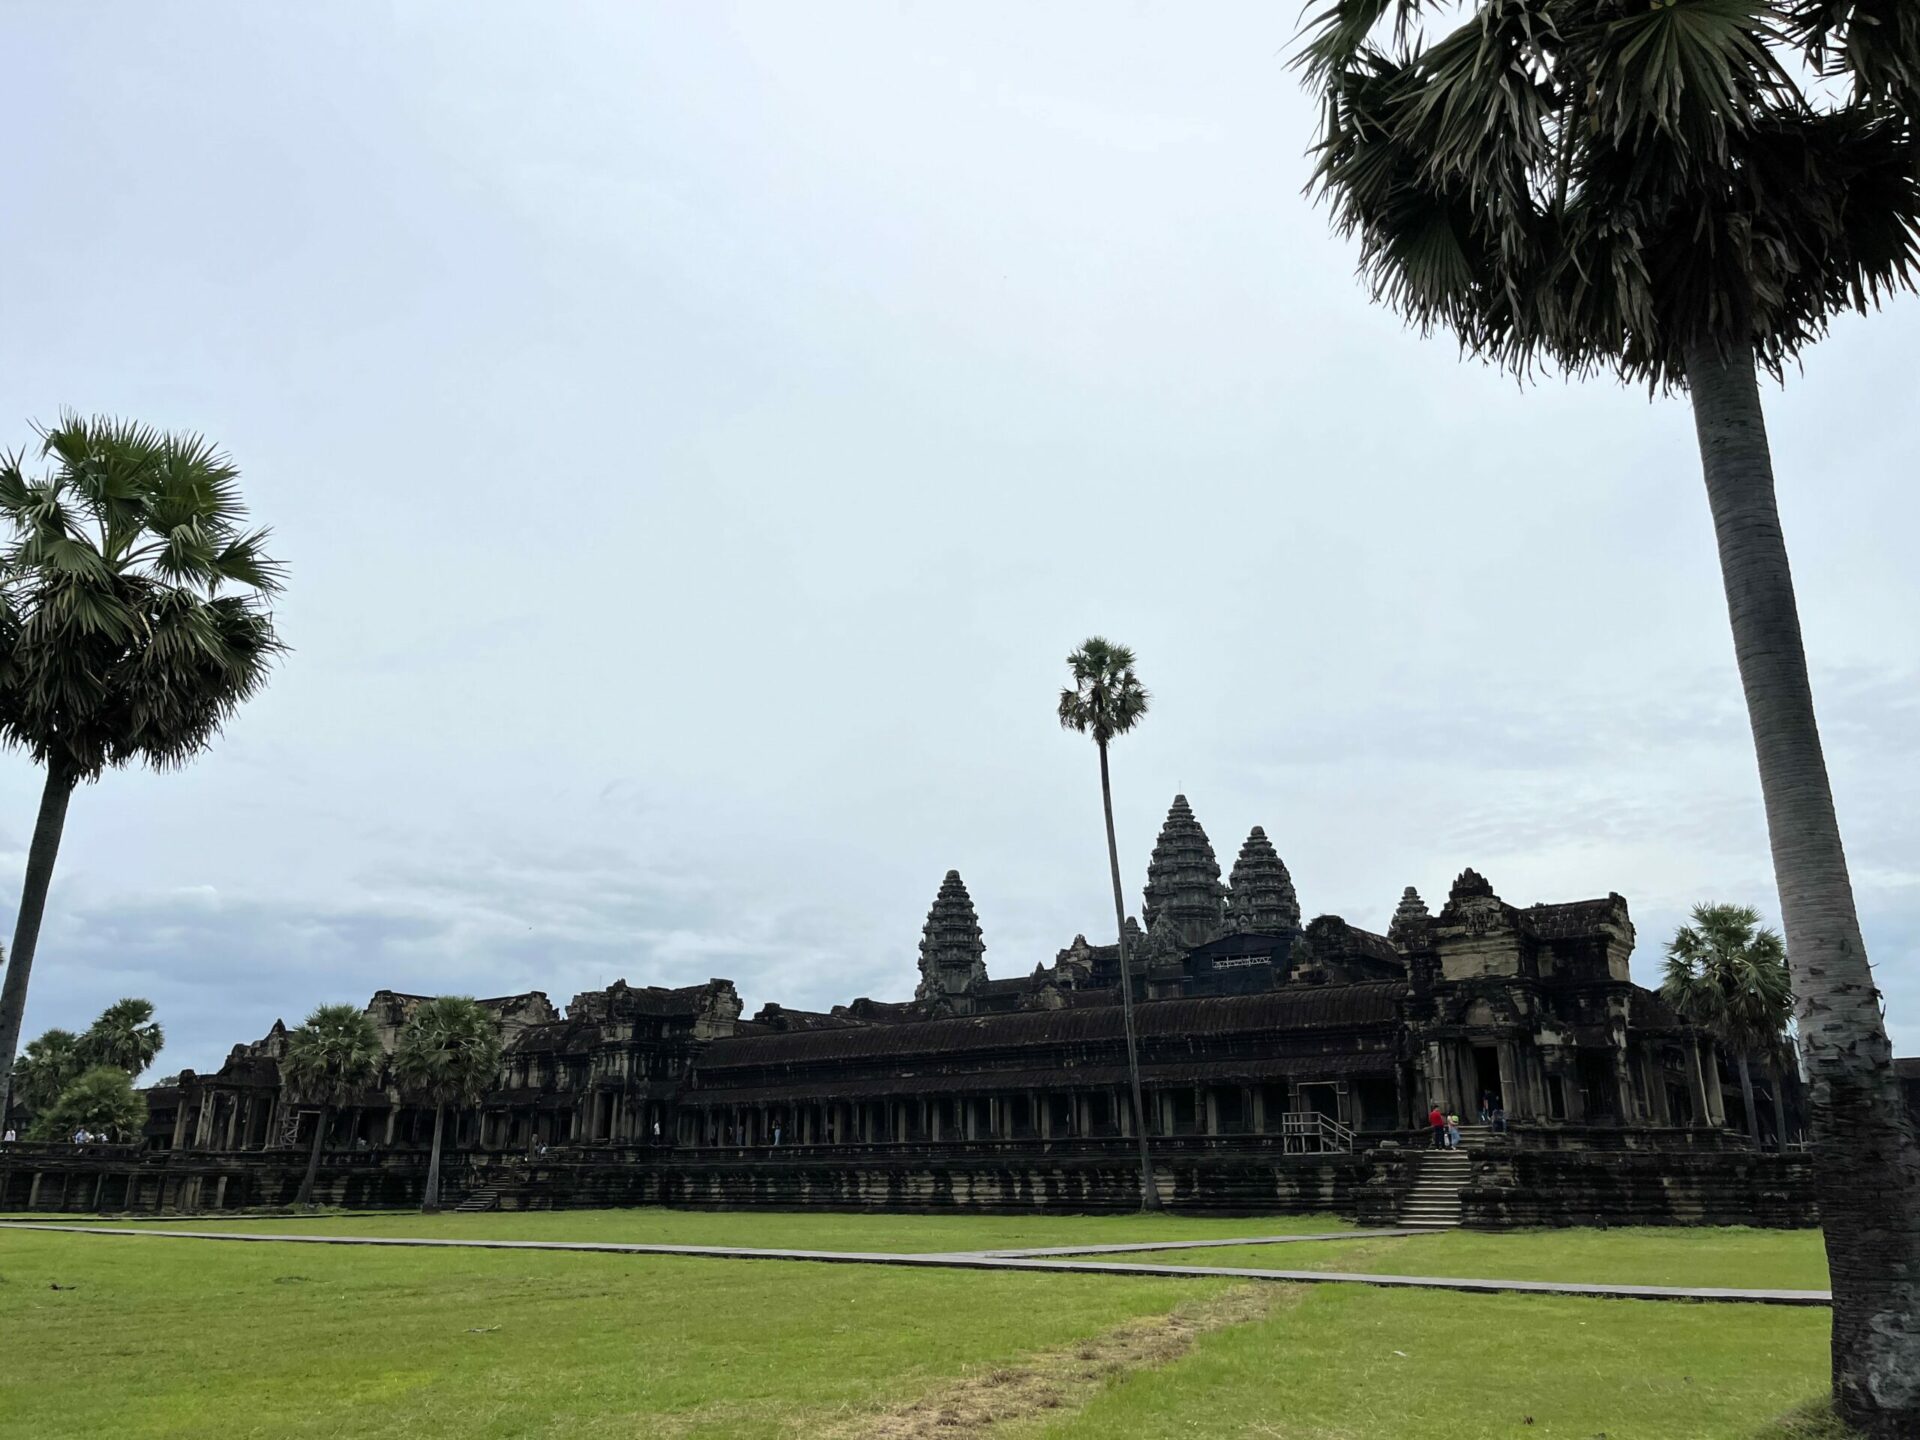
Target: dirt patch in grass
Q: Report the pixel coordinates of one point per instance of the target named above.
(998, 1401)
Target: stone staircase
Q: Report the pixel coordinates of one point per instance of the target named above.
(1434, 1199)
(486, 1197)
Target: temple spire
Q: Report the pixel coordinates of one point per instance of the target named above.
(1185, 901)
(1409, 919)
(1262, 900)
(951, 948)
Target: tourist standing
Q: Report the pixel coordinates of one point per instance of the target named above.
(1437, 1121)
(1453, 1132)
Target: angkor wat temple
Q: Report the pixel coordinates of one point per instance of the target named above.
(1285, 1066)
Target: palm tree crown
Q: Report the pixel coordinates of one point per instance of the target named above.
(46, 1067)
(133, 599)
(1728, 974)
(335, 1054)
(126, 1036)
(1106, 698)
(448, 1052)
(1604, 183)
(102, 1100)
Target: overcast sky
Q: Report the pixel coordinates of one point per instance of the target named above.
(698, 433)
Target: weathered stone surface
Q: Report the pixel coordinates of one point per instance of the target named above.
(1410, 920)
(1261, 898)
(1583, 1186)
(1185, 901)
(952, 952)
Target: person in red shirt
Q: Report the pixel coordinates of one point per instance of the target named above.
(1437, 1120)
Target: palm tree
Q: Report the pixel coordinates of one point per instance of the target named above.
(133, 622)
(448, 1053)
(101, 1099)
(45, 1069)
(126, 1036)
(1728, 975)
(1645, 188)
(332, 1057)
(1106, 700)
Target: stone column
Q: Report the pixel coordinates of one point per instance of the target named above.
(1436, 1078)
(1207, 1110)
(1509, 1077)
(1716, 1095)
(1653, 1075)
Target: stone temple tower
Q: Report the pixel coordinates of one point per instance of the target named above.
(1410, 920)
(1262, 900)
(951, 950)
(1185, 901)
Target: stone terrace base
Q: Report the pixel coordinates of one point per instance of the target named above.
(1511, 1186)
(1224, 1185)
(1639, 1187)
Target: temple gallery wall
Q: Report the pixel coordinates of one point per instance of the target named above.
(1286, 1065)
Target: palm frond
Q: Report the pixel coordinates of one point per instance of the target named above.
(136, 622)
(1346, 27)
(1874, 42)
(1106, 698)
(1605, 183)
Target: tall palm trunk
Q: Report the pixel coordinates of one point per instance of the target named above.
(1866, 1160)
(1149, 1192)
(41, 853)
(1747, 1101)
(305, 1196)
(1776, 1078)
(431, 1200)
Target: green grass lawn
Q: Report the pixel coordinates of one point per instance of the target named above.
(194, 1338)
(1353, 1363)
(770, 1230)
(174, 1338)
(1709, 1257)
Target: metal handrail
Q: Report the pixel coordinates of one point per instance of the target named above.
(1314, 1133)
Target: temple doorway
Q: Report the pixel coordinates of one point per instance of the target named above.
(1486, 1070)
(1320, 1099)
(1598, 1099)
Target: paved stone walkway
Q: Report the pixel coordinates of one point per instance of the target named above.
(981, 1260)
(1137, 1246)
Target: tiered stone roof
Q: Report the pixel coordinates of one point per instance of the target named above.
(1410, 919)
(1262, 900)
(951, 948)
(1185, 901)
